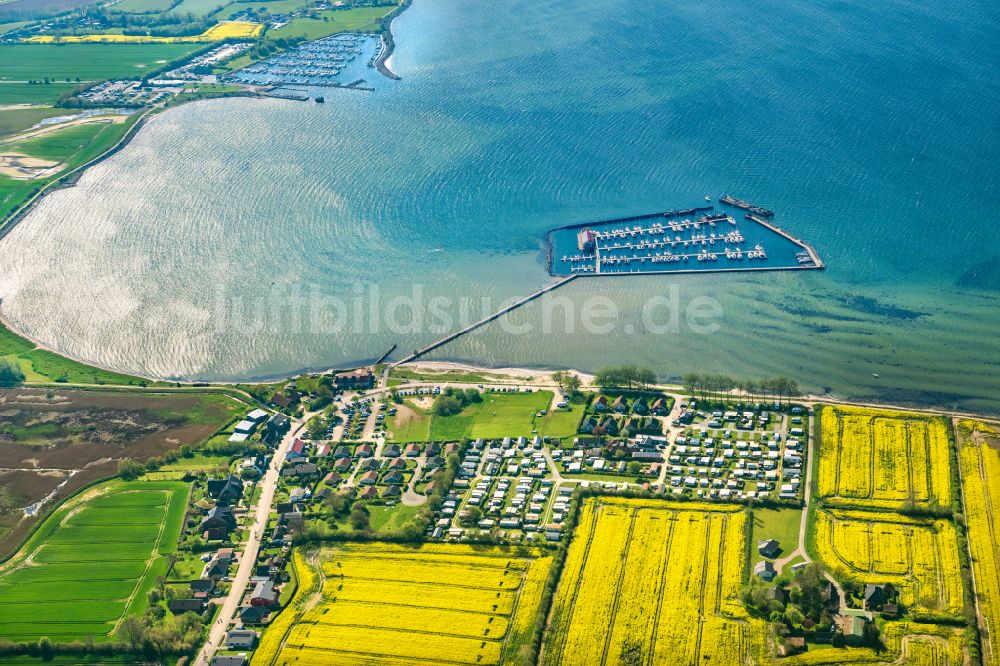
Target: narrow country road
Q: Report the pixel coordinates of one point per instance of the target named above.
(804, 518)
(248, 557)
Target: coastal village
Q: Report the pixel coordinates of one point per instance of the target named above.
(420, 512)
(338, 456)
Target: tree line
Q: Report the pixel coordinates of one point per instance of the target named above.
(773, 389)
(630, 377)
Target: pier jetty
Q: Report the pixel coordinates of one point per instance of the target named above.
(485, 320)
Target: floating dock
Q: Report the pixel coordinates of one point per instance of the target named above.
(689, 240)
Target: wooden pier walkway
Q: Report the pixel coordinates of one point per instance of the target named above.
(485, 320)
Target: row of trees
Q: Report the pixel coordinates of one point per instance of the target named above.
(773, 389)
(630, 377)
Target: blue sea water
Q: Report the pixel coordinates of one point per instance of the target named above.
(230, 238)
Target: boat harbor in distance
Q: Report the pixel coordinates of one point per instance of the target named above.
(732, 235)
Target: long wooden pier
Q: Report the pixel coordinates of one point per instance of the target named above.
(485, 320)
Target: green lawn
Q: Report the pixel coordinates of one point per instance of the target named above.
(359, 19)
(498, 415)
(391, 518)
(780, 524)
(561, 422)
(458, 376)
(92, 561)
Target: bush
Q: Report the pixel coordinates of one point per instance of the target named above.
(10, 373)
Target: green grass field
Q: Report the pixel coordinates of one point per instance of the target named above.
(88, 62)
(498, 415)
(61, 145)
(18, 120)
(18, 92)
(780, 524)
(360, 19)
(92, 562)
(272, 6)
(199, 7)
(143, 6)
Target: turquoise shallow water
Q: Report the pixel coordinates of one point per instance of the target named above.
(870, 128)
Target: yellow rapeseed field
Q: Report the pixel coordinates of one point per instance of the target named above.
(883, 458)
(219, 31)
(980, 465)
(654, 577)
(395, 604)
(918, 556)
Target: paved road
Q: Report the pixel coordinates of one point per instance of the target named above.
(248, 558)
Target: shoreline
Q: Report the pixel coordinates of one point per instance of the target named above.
(388, 42)
(540, 372)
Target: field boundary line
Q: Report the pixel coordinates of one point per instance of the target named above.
(154, 556)
(701, 597)
(504, 647)
(423, 660)
(663, 585)
(576, 589)
(618, 588)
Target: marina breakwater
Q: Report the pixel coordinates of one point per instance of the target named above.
(697, 239)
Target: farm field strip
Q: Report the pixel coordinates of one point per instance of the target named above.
(393, 604)
(919, 558)
(77, 580)
(680, 570)
(980, 467)
(883, 459)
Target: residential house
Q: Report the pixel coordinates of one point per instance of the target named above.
(769, 548)
(219, 522)
(252, 614)
(333, 478)
(343, 464)
(393, 476)
(178, 606)
(227, 490)
(264, 594)
(412, 450)
(600, 404)
(620, 405)
(397, 463)
(241, 639)
(609, 426)
(765, 570)
(876, 595)
(588, 424)
(277, 426)
(390, 451)
(296, 451)
(640, 406)
(229, 660)
(342, 452)
(659, 407)
(368, 479)
(365, 451)
(371, 492)
(392, 491)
